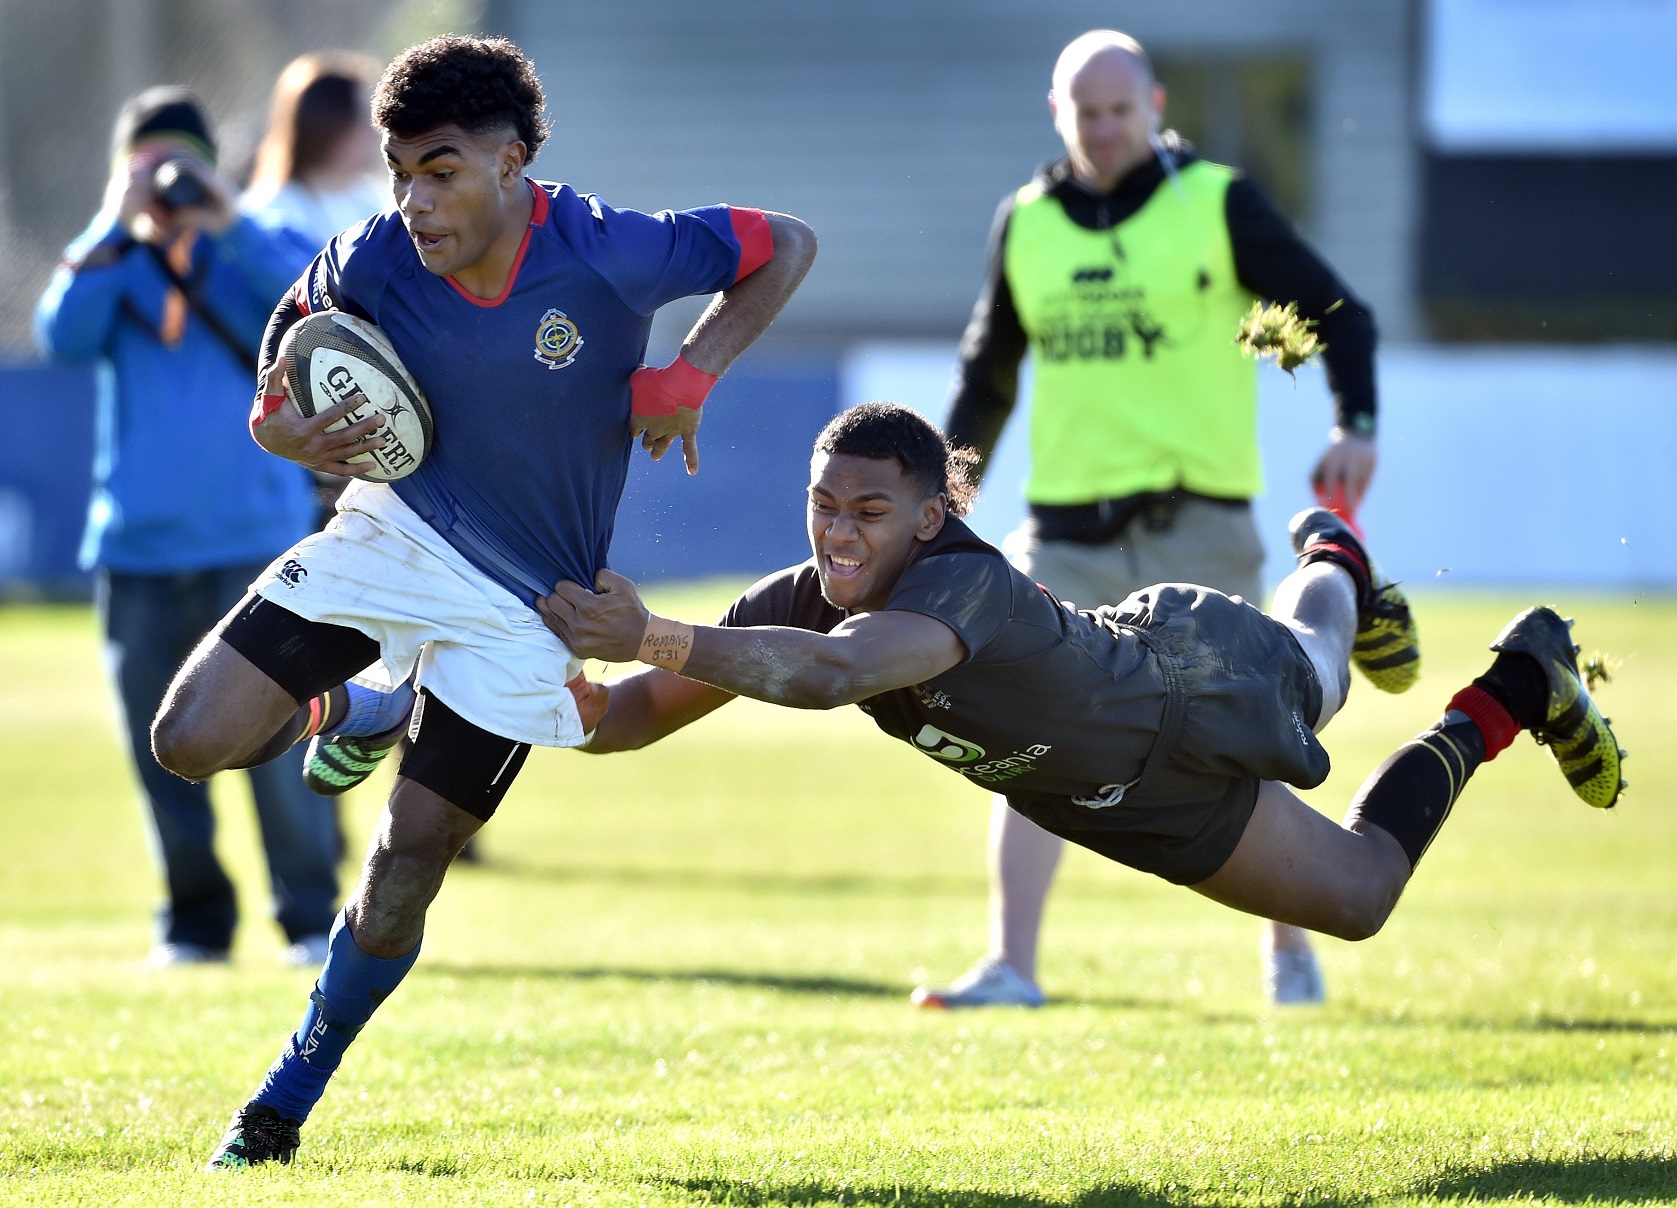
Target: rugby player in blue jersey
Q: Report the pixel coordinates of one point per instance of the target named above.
(523, 309)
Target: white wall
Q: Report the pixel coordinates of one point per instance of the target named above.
(895, 129)
(1499, 466)
(1493, 79)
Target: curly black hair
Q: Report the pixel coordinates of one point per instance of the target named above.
(474, 83)
(891, 431)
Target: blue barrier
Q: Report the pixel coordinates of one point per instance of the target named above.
(743, 514)
(744, 511)
(46, 475)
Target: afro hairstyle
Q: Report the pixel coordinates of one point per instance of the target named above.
(477, 84)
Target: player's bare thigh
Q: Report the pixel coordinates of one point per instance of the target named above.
(218, 713)
(1296, 866)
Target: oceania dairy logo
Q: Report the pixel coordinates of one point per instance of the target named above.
(947, 747)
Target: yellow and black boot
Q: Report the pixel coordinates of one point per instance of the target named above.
(1572, 728)
(1387, 649)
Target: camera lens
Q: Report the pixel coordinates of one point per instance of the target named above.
(175, 185)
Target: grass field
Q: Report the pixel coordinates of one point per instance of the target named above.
(681, 979)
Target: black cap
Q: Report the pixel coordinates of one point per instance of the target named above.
(167, 109)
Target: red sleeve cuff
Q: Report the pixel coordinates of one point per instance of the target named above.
(751, 231)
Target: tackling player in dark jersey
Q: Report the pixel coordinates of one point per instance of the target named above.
(1162, 732)
(523, 308)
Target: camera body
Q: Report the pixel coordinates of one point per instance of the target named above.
(176, 185)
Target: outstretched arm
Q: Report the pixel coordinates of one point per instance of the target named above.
(664, 398)
(867, 654)
(649, 705)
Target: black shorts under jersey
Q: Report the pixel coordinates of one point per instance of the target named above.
(1243, 698)
(458, 760)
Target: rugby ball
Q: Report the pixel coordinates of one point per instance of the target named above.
(329, 357)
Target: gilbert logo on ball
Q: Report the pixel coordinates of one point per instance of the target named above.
(330, 358)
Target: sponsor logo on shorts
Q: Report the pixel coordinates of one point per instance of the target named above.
(292, 573)
(947, 747)
(966, 756)
(1302, 730)
(936, 700)
(557, 340)
(1007, 767)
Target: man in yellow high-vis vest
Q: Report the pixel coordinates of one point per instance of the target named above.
(1124, 269)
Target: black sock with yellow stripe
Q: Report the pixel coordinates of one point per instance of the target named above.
(1410, 795)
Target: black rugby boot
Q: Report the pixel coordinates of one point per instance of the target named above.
(1572, 728)
(257, 1134)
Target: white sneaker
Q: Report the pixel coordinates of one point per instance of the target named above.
(990, 983)
(166, 956)
(308, 952)
(1292, 978)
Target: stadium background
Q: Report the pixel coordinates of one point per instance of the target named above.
(1503, 218)
(680, 975)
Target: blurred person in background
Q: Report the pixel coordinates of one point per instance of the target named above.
(319, 170)
(167, 292)
(1126, 267)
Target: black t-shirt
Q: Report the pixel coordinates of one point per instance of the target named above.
(1049, 700)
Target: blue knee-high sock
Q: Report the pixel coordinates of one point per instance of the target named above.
(373, 712)
(351, 986)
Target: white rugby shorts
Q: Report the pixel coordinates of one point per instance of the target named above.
(378, 568)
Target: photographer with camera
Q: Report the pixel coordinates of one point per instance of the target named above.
(167, 291)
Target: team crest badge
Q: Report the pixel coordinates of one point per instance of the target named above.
(557, 340)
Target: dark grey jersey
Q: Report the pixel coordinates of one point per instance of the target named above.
(1049, 700)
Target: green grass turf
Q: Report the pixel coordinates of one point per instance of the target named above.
(681, 979)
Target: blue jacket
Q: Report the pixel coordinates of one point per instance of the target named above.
(178, 483)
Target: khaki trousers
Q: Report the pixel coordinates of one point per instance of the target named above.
(1213, 545)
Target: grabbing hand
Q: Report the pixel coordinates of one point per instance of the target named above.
(1346, 465)
(607, 625)
(667, 403)
(279, 428)
(592, 700)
